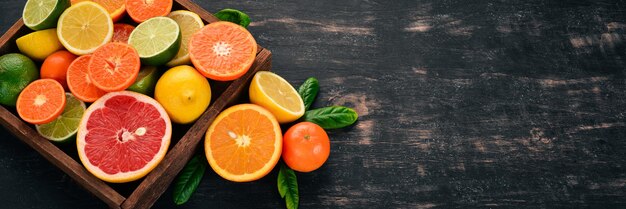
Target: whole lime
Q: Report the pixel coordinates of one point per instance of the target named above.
(16, 72)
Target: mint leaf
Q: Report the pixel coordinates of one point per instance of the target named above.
(331, 117)
(288, 186)
(234, 16)
(308, 91)
(189, 179)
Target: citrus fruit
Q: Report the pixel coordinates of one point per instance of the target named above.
(222, 51)
(41, 101)
(184, 93)
(142, 10)
(116, 8)
(43, 14)
(123, 136)
(39, 44)
(114, 67)
(189, 23)
(16, 72)
(305, 147)
(55, 66)
(146, 80)
(121, 32)
(78, 80)
(84, 27)
(65, 126)
(277, 95)
(157, 40)
(243, 143)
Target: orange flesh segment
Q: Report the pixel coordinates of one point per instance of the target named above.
(41, 102)
(222, 51)
(142, 10)
(79, 82)
(121, 32)
(114, 67)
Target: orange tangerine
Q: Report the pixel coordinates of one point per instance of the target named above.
(114, 67)
(142, 10)
(244, 143)
(41, 101)
(79, 82)
(121, 32)
(222, 51)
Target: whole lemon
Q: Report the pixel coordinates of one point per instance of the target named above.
(184, 93)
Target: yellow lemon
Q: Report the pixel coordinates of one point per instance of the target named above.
(39, 44)
(276, 95)
(184, 93)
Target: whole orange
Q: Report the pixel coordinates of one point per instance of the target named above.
(55, 66)
(305, 147)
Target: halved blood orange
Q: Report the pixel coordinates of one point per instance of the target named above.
(244, 143)
(222, 51)
(114, 67)
(79, 82)
(142, 10)
(121, 32)
(41, 101)
(116, 8)
(123, 136)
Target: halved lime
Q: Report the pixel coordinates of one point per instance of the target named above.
(146, 80)
(156, 40)
(189, 24)
(65, 126)
(43, 14)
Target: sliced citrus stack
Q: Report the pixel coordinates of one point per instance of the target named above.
(123, 136)
(114, 67)
(78, 80)
(142, 10)
(66, 125)
(277, 95)
(121, 32)
(41, 101)
(189, 23)
(116, 8)
(222, 51)
(84, 27)
(243, 143)
(43, 14)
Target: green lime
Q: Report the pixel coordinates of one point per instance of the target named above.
(146, 80)
(16, 72)
(65, 126)
(43, 14)
(156, 40)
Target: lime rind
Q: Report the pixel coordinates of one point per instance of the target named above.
(43, 14)
(65, 126)
(157, 40)
(146, 80)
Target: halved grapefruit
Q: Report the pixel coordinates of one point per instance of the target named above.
(123, 136)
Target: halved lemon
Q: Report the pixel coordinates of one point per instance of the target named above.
(84, 27)
(277, 95)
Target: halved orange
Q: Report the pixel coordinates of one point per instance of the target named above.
(114, 67)
(79, 82)
(116, 8)
(121, 32)
(41, 101)
(142, 10)
(244, 143)
(222, 51)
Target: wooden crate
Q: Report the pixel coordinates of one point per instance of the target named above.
(147, 190)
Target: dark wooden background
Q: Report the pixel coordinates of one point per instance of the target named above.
(463, 104)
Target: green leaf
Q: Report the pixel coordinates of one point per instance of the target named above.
(308, 91)
(331, 117)
(189, 179)
(234, 16)
(288, 186)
